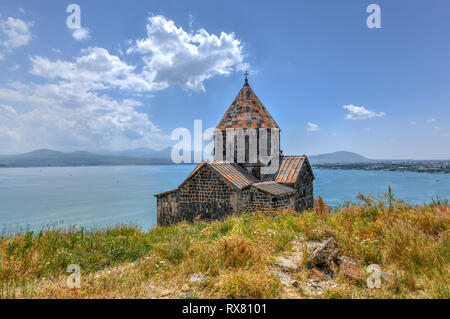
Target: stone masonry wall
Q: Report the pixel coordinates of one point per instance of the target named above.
(253, 199)
(209, 197)
(167, 208)
(204, 195)
(304, 198)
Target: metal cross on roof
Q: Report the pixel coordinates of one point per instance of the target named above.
(246, 77)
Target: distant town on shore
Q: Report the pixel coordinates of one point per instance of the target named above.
(144, 156)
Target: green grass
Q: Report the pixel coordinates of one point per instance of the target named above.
(410, 243)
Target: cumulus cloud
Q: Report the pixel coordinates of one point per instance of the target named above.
(97, 68)
(312, 127)
(92, 101)
(15, 33)
(173, 56)
(431, 120)
(72, 111)
(67, 115)
(81, 34)
(360, 113)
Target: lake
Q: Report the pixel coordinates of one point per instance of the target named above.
(99, 197)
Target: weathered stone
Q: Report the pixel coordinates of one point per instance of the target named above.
(313, 244)
(186, 295)
(198, 278)
(322, 285)
(351, 269)
(387, 278)
(287, 264)
(282, 276)
(325, 255)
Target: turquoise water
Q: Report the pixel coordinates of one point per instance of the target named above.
(99, 197)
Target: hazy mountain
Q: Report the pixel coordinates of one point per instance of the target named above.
(41, 158)
(139, 152)
(338, 157)
(140, 156)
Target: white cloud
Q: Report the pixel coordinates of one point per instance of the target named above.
(173, 56)
(431, 120)
(67, 115)
(413, 122)
(312, 127)
(76, 104)
(437, 128)
(81, 34)
(95, 68)
(15, 33)
(360, 113)
(369, 130)
(71, 112)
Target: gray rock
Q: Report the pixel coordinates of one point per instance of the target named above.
(313, 244)
(284, 277)
(287, 264)
(186, 295)
(348, 261)
(198, 278)
(326, 255)
(322, 285)
(387, 277)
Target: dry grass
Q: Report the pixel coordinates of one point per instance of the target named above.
(237, 255)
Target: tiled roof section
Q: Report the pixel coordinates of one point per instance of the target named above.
(290, 167)
(233, 173)
(247, 111)
(274, 188)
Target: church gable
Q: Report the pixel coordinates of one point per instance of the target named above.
(290, 168)
(204, 180)
(230, 174)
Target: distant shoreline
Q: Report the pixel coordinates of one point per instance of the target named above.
(343, 166)
(388, 167)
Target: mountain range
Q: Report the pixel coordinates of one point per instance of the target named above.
(139, 156)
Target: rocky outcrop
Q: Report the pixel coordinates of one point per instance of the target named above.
(325, 256)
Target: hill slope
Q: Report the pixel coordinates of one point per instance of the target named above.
(41, 158)
(249, 256)
(338, 157)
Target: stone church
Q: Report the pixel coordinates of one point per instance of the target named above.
(219, 188)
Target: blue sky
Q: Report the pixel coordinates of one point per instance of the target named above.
(139, 69)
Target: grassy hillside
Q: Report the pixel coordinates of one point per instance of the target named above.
(255, 255)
